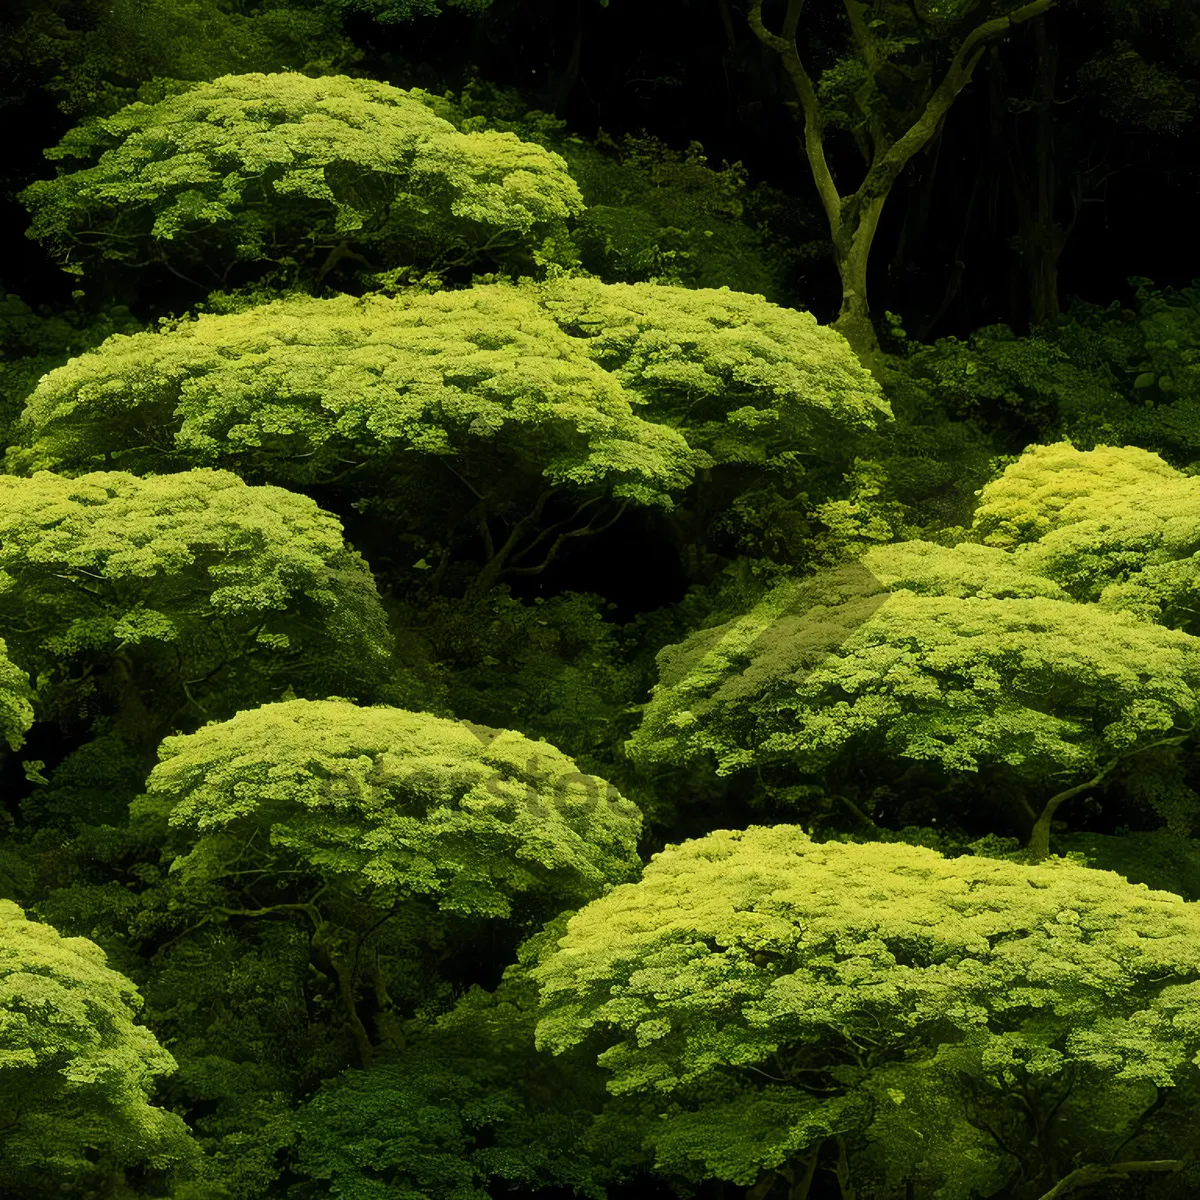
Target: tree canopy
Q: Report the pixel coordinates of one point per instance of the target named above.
(290, 173)
(395, 803)
(196, 584)
(761, 992)
(365, 816)
(965, 657)
(76, 1070)
(478, 404)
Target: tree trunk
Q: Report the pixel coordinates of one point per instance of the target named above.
(1046, 237)
(842, 1172)
(1039, 836)
(852, 251)
(343, 969)
(801, 1183)
(1034, 182)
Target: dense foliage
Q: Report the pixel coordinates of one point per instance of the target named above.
(291, 174)
(77, 1068)
(498, 698)
(760, 993)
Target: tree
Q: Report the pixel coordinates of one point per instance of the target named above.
(363, 816)
(499, 414)
(293, 175)
(769, 1005)
(891, 89)
(174, 598)
(971, 658)
(76, 1072)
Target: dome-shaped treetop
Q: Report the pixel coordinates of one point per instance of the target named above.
(279, 169)
(1046, 652)
(299, 389)
(756, 992)
(590, 381)
(1116, 525)
(198, 581)
(76, 1072)
(391, 803)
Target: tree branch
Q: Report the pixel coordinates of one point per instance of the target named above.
(957, 76)
(814, 147)
(586, 531)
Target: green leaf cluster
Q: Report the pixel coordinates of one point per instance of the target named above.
(280, 170)
(76, 1070)
(392, 804)
(452, 408)
(194, 583)
(1038, 653)
(770, 991)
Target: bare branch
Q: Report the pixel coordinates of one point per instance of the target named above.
(957, 76)
(814, 146)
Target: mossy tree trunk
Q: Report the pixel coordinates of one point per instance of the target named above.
(854, 218)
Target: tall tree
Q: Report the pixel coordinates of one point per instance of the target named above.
(1038, 661)
(373, 827)
(890, 88)
(167, 601)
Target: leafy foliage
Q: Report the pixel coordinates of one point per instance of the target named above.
(557, 669)
(393, 803)
(748, 382)
(76, 1072)
(195, 584)
(455, 409)
(1025, 679)
(1102, 375)
(388, 12)
(1113, 525)
(293, 174)
(883, 991)
(964, 657)
(16, 713)
(1128, 88)
(467, 1102)
(1022, 388)
(300, 387)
